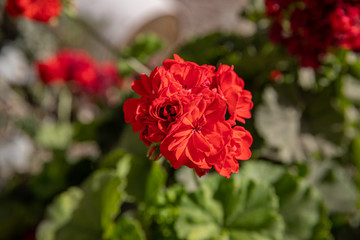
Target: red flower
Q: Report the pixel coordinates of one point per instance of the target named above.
(236, 149)
(315, 26)
(151, 86)
(39, 10)
(51, 71)
(201, 133)
(231, 87)
(165, 110)
(274, 7)
(13, 8)
(275, 75)
(345, 22)
(107, 76)
(275, 32)
(64, 66)
(84, 74)
(153, 118)
(183, 107)
(81, 69)
(189, 75)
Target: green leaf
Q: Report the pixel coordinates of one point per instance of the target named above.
(200, 216)
(125, 68)
(351, 88)
(155, 182)
(59, 213)
(355, 152)
(323, 227)
(321, 116)
(262, 171)
(141, 49)
(120, 160)
(51, 180)
(144, 46)
(137, 177)
(130, 141)
(85, 131)
(96, 210)
(355, 69)
(144, 178)
(235, 208)
(300, 207)
(154, 188)
(112, 159)
(331, 179)
(300, 204)
(129, 229)
(165, 212)
(17, 215)
(300, 131)
(55, 136)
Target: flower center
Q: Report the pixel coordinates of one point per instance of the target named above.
(168, 112)
(199, 124)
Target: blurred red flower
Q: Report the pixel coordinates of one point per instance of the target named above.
(345, 22)
(38, 10)
(275, 75)
(315, 26)
(81, 69)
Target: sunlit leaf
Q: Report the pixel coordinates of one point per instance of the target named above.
(129, 229)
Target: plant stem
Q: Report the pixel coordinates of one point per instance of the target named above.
(64, 105)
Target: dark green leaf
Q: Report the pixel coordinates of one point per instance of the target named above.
(300, 205)
(236, 208)
(96, 210)
(59, 213)
(165, 212)
(155, 182)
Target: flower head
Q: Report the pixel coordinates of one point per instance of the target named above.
(184, 107)
(79, 68)
(38, 10)
(345, 22)
(315, 27)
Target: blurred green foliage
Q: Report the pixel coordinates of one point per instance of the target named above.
(281, 206)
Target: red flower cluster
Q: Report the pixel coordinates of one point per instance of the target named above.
(39, 10)
(184, 107)
(314, 27)
(78, 67)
